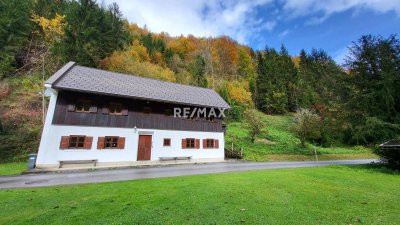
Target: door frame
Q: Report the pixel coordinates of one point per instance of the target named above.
(151, 146)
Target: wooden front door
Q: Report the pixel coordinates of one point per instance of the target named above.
(144, 148)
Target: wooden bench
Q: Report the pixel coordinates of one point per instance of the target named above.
(175, 158)
(63, 162)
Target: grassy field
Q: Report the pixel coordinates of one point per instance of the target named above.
(14, 168)
(325, 195)
(277, 139)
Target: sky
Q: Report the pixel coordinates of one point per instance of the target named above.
(331, 25)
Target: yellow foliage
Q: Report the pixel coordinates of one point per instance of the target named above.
(139, 52)
(296, 61)
(239, 92)
(183, 45)
(124, 62)
(52, 29)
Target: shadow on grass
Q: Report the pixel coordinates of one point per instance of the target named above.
(375, 168)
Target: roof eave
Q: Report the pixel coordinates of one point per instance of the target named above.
(57, 75)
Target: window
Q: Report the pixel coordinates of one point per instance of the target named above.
(167, 142)
(111, 142)
(147, 110)
(209, 143)
(83, 105)
(76, 142)
(190, 143)
(115, 109)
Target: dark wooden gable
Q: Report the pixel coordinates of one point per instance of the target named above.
(133, 114)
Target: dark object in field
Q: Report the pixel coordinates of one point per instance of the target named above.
(390, 153)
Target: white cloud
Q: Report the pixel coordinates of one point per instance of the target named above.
(340, 55)
(320, 10)
(284, 33)
(236, 19)
(240, 19)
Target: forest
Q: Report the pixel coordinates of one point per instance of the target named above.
(357, 103)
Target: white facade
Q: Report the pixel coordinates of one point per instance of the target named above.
(50, 153)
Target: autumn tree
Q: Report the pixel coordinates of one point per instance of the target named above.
(51, 29)
(254, 123)
(306, 125)
(246, 67)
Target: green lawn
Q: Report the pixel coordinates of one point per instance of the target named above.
(277, 138)
(12, 168)
(325, 195)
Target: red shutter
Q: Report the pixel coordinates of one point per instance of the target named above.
(197, 143)
(216, 143)
(124, 112)
(88, 142)
(100, 142)
(204, 143)
(93, 109)
(64, 142)
(105, 110)
(121, 143)
(71, 108)
(183, 143)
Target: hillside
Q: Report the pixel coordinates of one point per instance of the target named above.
(278, 142)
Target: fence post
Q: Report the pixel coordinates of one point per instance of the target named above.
(241, 151)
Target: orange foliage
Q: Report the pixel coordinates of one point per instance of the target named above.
(183, 45)
(227, 49)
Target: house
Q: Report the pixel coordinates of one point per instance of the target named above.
(115, 119)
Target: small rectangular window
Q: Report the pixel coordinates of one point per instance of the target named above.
(190, 143)
(210, 143)
(115, 109)
(167, 142)
(111, 142)
(76, 142)
(147, 110)
(83, 105)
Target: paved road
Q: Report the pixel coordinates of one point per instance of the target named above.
(54, 179)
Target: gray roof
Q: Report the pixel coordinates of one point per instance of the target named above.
(83, 79)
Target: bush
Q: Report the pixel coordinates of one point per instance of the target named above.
(234, 113)
(16, 145)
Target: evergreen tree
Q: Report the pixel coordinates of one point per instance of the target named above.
(92, 33)
(198, 70)
(374, 65)
(15, 28)
(276, 81)
(289, 74)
